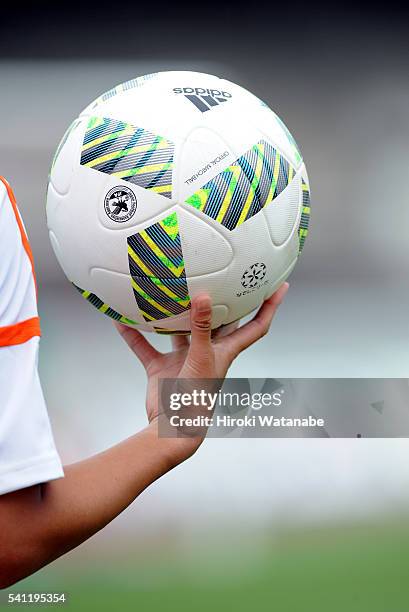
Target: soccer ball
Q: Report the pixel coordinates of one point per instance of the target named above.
(173, 184)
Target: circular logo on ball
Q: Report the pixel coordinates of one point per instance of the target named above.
(253, 275)
(120, 204)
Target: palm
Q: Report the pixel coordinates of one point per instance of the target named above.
(205, 356)
(165, 366)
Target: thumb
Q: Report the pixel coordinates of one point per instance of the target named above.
(201, 324)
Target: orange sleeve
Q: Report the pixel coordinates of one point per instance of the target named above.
(20, 332)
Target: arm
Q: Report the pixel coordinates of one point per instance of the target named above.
(42, 522)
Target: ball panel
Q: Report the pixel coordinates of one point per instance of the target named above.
(157, 106)
(256, 266)
(129, 153)
(83, 242)
(57, 252)
(241, 191)
(283, 213)
(305, 214)
(205, 249)
(281, 279)
(160, 298)
(115, 289)
(157, 268)
(230, 123)
(104, 308)
(258, 114)
(145, 207)
(120, 89)
(171, 332)
(273, 129)
(65, 158)
(203, 155)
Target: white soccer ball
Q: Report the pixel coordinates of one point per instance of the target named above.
(173, 184)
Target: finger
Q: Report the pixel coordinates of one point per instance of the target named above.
(138, 344)
(225, 330)
(201, 324)
(258, 326)
(179, 342)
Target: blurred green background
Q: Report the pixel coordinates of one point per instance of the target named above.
(351, 567)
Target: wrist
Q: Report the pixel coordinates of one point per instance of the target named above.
(172, 451)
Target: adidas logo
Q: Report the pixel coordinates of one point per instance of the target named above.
(203, 99)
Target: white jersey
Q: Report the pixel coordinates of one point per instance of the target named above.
(27, 451)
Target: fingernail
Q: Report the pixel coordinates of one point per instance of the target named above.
(203, 306)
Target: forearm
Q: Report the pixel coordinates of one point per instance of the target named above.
(41, 524)
(101, 487)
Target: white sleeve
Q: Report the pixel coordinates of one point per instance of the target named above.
(27, 451)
